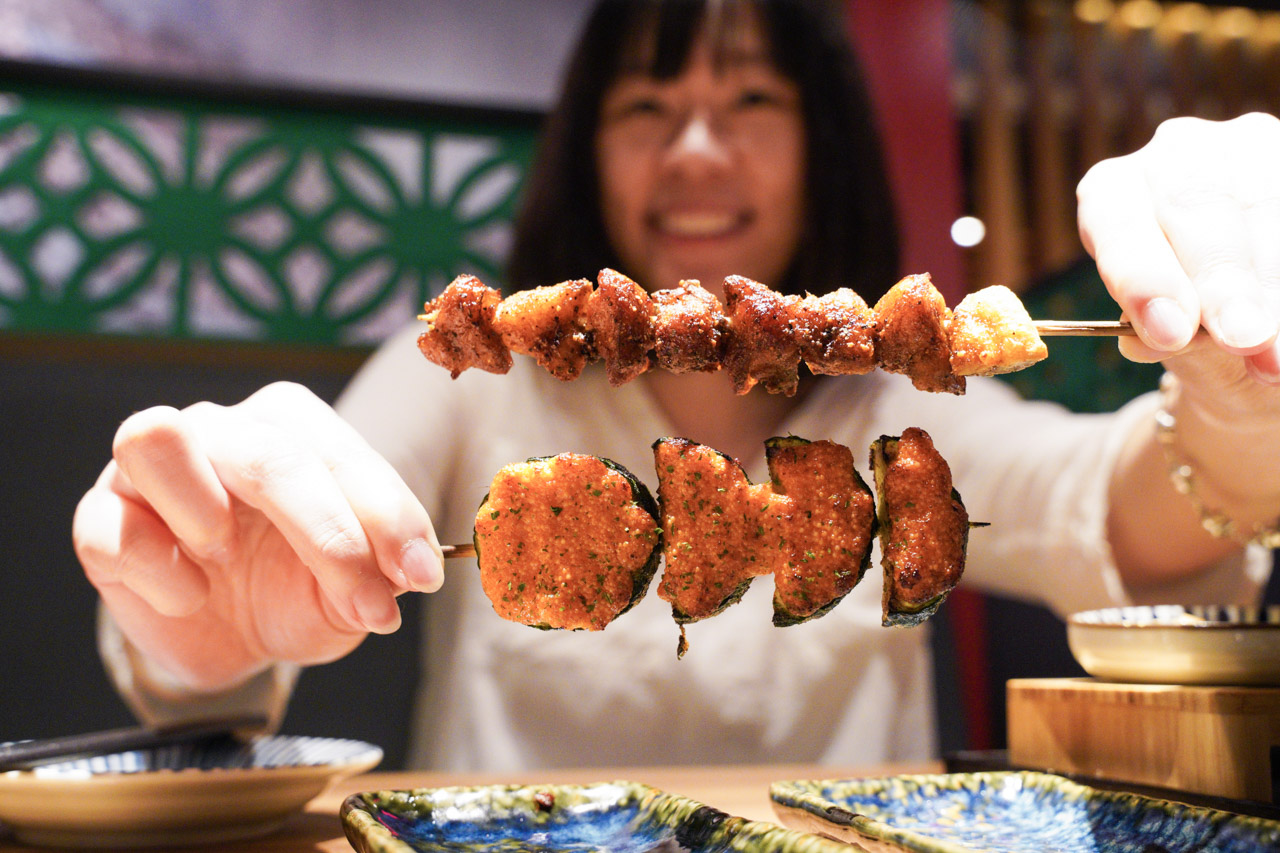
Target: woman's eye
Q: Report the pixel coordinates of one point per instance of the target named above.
(756, 98)
(641, 107)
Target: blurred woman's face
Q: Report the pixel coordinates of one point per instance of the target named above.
(702, 175)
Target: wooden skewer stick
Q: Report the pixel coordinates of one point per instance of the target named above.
(1084, 328)
(454, 552)
(1059, 328)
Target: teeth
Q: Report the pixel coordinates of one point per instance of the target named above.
(697, 224)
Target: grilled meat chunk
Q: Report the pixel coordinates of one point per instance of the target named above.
(619, 317)
(763, 347)
(991, 332)
(544, 322)
(690, 329)
(460, 332)
(837, 333)
(913, 336)
(568, 541)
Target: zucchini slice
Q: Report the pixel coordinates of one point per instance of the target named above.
(825, 547)
(568, 541)
(923, 526)
(715, 524)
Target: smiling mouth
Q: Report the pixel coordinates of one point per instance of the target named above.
(699, 224)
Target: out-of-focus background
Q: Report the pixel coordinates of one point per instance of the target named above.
(199, 197)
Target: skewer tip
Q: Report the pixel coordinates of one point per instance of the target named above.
(1084, 328)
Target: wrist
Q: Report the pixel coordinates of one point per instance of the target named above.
(157, 697)
(1222, 466)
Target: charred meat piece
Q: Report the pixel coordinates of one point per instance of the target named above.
(825, 542)
(923, 526)
(568, 541)
(991, 332)
(715, 524)
(763, 346)
(913, 336)
(544, 322)
(619, 318)
(690, 329)
(837, 333)
(460, 332)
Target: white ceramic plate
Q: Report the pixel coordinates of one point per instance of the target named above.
(1170, 644)
(175, 795)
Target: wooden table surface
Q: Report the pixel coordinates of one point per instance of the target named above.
(738, 790)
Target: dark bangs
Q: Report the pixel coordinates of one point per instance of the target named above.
(849, 238)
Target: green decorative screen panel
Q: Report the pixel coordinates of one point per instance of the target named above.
(147, 208)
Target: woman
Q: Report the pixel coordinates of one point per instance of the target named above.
(232, 544)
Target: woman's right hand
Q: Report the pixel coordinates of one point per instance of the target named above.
(226, 539)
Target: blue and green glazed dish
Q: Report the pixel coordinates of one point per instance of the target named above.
(1010, 812)
(620, 817)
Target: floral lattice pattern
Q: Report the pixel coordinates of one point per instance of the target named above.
(207, 220)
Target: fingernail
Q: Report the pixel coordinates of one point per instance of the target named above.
(1244, 323)
(1266, 364)
(376, 607)
(1166, 324)
(422, 566)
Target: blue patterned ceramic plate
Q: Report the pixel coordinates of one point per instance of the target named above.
(210, 791)
(1010, 812)
(618, 817)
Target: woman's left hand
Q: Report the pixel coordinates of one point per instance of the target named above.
(1186, 235)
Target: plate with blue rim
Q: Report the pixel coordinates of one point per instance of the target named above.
(1010, 812)
(619, 817)
(213, 790)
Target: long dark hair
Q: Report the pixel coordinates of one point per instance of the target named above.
(850, 236)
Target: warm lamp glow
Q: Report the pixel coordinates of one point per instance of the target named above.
(1235, 23)
(1269, 28)
(1094, 11)
(1140, 14)
(1188, 19)
(968, 231)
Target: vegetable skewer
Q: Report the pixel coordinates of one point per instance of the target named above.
(573, 541)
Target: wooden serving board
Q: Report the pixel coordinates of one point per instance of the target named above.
(1209, 740)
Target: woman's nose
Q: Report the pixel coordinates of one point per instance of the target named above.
(697, 142)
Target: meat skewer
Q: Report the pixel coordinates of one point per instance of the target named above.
(758, 336)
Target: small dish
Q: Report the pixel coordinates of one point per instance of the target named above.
(1169, 644)
(1010, 812)
(620, 817)
(196, 793)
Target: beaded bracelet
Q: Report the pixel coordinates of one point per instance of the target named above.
(1183, 476)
